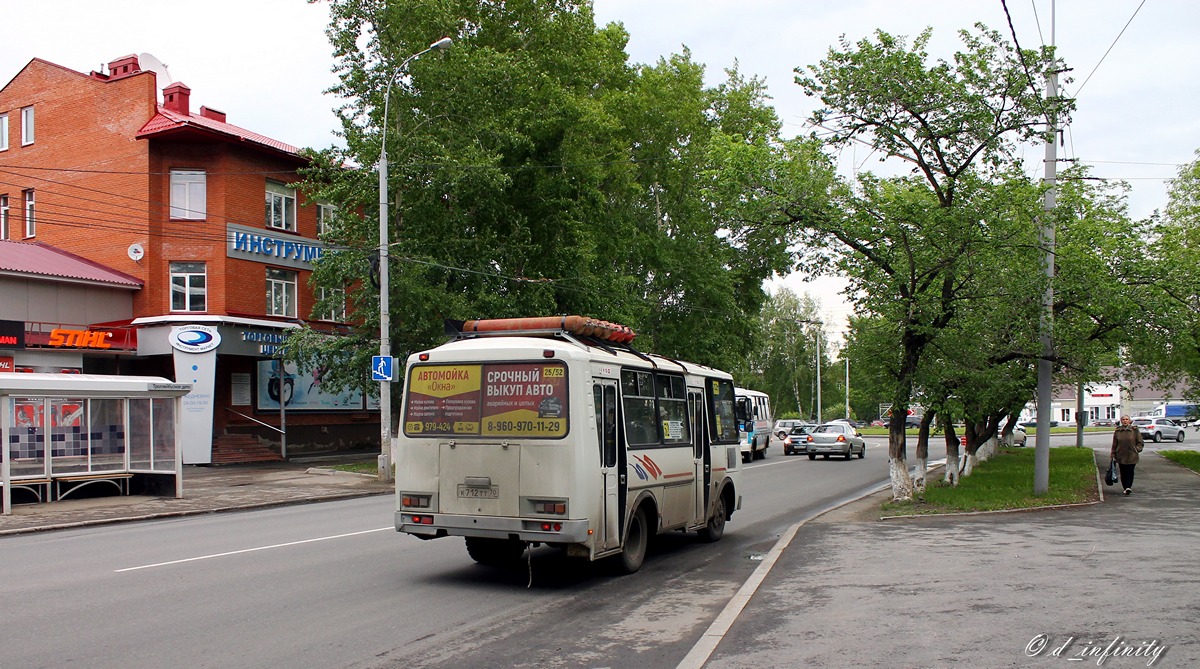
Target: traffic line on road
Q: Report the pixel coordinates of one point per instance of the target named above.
(250, 550)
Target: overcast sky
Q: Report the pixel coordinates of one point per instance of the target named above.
(266, 63)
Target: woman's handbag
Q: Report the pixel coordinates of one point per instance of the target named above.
(1111, 477)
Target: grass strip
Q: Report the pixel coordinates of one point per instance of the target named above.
(1189, 459)
(1006, 482)
(358, 467)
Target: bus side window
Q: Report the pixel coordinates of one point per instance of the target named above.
(604, 400)
(610, 426)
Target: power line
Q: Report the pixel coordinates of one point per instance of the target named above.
(1110, 48)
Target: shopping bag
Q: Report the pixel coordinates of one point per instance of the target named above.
(1111, 477)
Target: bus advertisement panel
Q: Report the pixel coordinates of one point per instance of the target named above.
(526, 399)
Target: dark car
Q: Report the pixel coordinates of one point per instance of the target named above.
(793, 441)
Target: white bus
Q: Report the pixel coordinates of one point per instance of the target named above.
(754, 423)
(521, 432)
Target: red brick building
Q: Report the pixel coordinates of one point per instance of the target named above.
(205, 215)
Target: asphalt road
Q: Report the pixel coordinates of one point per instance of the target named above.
(332, 585)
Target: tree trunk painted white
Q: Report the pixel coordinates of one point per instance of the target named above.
(971, 462)
(919, 478)
(951, 476)
(987, 450)
(902, 486)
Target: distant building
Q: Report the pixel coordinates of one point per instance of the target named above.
(196, 248)
(1108, 401)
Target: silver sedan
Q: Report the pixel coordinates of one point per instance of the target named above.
(835, 439)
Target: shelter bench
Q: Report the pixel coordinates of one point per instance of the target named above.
(76, 481)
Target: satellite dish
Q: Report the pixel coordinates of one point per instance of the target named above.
(136, 252)
(162, 76)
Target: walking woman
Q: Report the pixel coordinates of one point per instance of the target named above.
(1127, 443)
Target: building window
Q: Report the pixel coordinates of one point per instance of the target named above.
(188, 199)
(30, 215)
(188, 286)
(27, 126)
(281, 207)
(3, 217)
(281, 293)
(326, 214)
(3, 132)
(334, 301)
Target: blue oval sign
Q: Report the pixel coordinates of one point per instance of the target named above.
(194, 338)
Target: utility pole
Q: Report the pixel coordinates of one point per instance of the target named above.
(1041, 453)
(847, 382)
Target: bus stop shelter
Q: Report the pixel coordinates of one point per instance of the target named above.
(66, 432)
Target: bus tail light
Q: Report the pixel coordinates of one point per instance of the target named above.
(552, 507)
(551, 527)
(422, 520)
(415, 501)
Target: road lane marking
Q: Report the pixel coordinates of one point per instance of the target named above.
(250, 550)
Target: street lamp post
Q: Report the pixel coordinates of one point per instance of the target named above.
(385, 329)
(818, 364)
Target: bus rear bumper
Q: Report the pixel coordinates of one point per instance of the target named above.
(491, 527)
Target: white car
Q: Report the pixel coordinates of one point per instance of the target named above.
(1156, 429)
(1019, 435)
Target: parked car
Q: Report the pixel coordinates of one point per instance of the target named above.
(878, 423)
(1019, 436)
(1156, 429)
(794, 440)
(834, 439)
(1103, 422)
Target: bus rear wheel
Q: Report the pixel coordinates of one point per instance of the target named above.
(495, 552)
(715, 528)
(637, 537)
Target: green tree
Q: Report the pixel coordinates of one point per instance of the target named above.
(907, 244)
(534, 171)
(785, 363)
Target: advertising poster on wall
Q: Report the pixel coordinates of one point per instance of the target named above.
(503, 400)
(300, 390)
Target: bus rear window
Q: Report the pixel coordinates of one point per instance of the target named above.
(523, 399)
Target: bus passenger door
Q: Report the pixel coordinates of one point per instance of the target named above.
(701, 466)
(604, 400)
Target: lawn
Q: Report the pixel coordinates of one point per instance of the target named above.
(1189, 459)
(1006, 482)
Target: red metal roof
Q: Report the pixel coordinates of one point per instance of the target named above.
(167, 120)
(38, 260)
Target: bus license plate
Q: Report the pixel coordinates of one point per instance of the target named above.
(468, 492)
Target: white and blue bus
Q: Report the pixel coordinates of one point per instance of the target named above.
(754, 423)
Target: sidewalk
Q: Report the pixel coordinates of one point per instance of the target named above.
(205, 490)
(998, 590)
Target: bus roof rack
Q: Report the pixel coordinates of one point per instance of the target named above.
(590, 328)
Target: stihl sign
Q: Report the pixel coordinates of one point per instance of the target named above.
(80, 338)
